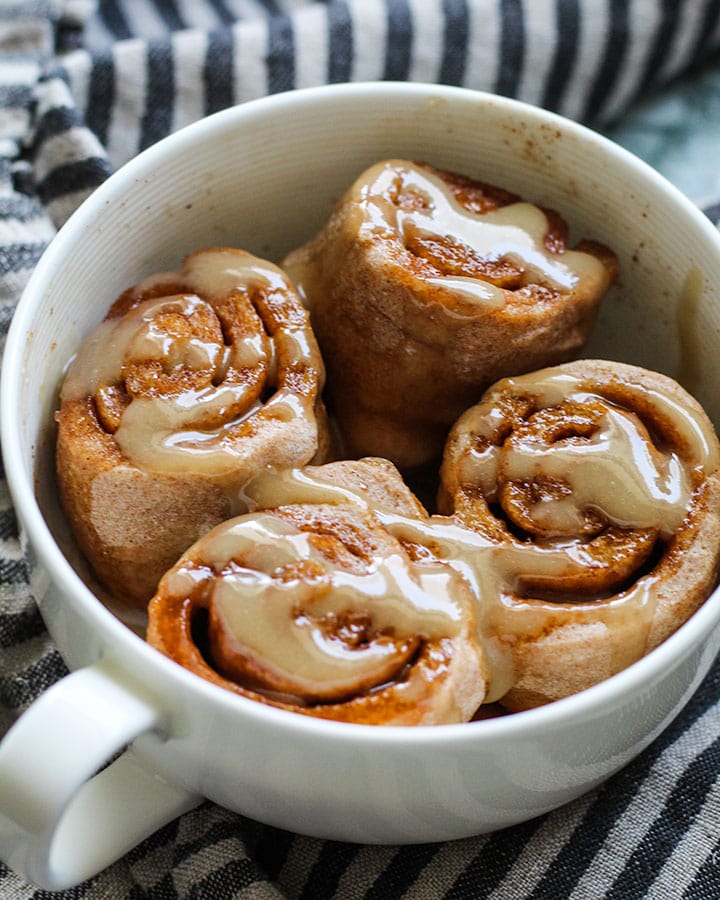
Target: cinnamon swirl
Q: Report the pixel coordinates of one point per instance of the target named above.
(594, 488)
(316, 609)
(195, 380)
(424, 288)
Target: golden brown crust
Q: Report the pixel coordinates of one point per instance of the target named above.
(405, 354)
(242, 352)
(625, 587)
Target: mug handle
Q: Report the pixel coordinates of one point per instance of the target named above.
(63, 818)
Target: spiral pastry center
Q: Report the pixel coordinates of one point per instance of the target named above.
(562, 473)
(315, 615)
(563, 460)
(402, 200)
(183, 373)
(173, 334)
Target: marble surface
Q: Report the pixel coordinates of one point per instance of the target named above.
(678, 132)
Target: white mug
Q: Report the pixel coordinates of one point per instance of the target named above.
(264, 176)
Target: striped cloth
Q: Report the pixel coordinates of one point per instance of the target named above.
(83, 87)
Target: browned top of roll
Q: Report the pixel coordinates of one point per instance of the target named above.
(471, 245)
(425, 287)
(196, 379)
(188, 365)
(317, 609)
(595, 486)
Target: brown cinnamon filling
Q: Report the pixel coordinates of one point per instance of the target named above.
(178, 378)
(312, 603)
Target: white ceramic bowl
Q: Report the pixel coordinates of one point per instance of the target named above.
(264, 176)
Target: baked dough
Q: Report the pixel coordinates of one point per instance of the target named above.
(426, 287)
(594, 486)
(196, 380)
(316, 608)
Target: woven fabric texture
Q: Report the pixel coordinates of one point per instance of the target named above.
(84, 86)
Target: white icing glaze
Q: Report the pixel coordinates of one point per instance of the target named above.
(614, 471)
(288, 621)
(515, 232)
(194, 430)
(496, 570)
(617, 470)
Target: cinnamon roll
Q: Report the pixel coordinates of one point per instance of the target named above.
(195, 380)
(316, 609)
(593, 491)
(426, 287)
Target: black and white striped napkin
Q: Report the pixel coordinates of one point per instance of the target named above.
(86, 85)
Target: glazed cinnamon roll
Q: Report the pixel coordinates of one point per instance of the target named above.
(426, 287)
(317, 609)
(593, 488)
(195, 380)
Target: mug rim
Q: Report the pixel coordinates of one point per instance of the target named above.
(21, 481)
